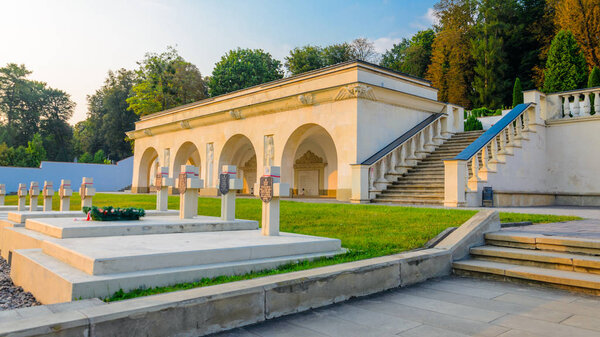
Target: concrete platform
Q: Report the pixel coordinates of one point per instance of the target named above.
(21, 217)
(71, 228)
(7, 208)
(98, 267)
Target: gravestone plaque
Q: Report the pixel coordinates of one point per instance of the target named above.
(224, 183)
(266, 189)
(182, 182)
(61, 192)
(158, 181)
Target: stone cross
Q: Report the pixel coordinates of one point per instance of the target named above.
(65, 193)
(228, 185)
(22, 194)
(2, 193)
(270, 189)
(162, 184)
(188, 184)
(87, 191)
(34, 191)
(48, 193)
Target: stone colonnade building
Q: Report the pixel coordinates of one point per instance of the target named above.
(317, 126)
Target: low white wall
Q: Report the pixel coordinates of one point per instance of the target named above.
(106, 177)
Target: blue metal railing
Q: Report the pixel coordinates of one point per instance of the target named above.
(487, 136)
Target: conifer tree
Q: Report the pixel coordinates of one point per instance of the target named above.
(517, 93)
(593, 81)
(566, 68)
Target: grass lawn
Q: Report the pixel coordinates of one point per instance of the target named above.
(366, 230)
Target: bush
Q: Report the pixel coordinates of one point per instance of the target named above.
(109, 213)
(482, 112)
(472, 124)
(517, 93)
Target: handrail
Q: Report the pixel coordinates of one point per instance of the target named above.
(402, 139)
(487, 136)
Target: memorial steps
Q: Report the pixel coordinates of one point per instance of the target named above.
(564, 262)
(424, 183)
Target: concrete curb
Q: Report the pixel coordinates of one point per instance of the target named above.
(216, 308)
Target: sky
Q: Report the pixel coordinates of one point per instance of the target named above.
(71, 45)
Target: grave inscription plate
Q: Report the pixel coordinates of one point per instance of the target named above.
(224, 183)
(158, 181)
(182, 182)
(266, 189)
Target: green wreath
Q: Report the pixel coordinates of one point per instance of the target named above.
(109, 213)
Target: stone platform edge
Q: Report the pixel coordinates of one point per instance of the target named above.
(226, 306)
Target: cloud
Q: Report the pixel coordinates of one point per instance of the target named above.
(384, 43)
(426, 21)
(431, 17)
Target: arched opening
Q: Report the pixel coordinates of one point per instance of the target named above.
(309, 162)
(147, 169)
(187, 154)
(239, 151)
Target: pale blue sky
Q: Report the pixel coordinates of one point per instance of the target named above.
(72, 44)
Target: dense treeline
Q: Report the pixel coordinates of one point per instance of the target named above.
(480, 54)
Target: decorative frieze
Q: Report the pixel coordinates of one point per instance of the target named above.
(355, 91)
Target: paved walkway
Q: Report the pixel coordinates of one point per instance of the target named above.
(589, 228)
(448, 307)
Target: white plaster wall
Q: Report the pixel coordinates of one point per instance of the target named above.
(106, 177)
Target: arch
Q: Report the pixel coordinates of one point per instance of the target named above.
(239, 151)
(309, 162)
(147, 170)
(187, 154)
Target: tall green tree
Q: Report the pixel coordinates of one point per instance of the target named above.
(566, 68)
(337, 53)
(54, 129)
(411, 56)
(243, 68)
(517, 93)
(165, 81)
(594, 78)
(303, 59)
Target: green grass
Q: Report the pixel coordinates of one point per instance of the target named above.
(365, 230)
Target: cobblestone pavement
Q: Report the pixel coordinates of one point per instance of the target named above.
(11, 296)
(589, 228)
(448, 307)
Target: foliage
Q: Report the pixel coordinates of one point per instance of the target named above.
(472, 124)
(165, 81)
(337, 53)
(97, 158)
(243, 68)
(593, 81)
(411, 56)
(36, 151)
(484, 112)
(517, 93)
(364, 50)
(582, 18)
(86, 158)
(303, 59)
(565, 68)
(109, 213)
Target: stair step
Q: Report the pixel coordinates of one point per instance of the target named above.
(408, 202)
(538, 258)
(414, 195)
(544, 242)
(542, 275)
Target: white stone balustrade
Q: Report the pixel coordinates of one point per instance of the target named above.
(576, 103)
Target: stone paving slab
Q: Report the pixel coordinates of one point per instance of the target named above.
(589, 228)
(452, 306)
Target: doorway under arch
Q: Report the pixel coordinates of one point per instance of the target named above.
(239, 151)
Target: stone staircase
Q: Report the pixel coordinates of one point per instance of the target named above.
(424, 183)
(564, 262)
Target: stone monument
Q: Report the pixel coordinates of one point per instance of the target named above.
(188, 184)
(2, 193)
(162, 184)
(228, 185)
(87, 191)
(22, 195)
(34, 191)
(270, 189)
(48, 193)
(65, 193)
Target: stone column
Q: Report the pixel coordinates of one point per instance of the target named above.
(65, 193)
(270, 189)
(48, 193)
(162, 184)
(360, 184)
(22, 195)
(2, 193)
(228, 186)
(34, 191)
(188, 184)
(455, 181)
(87, 191)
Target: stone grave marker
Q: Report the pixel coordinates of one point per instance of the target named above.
(269, 190)
(188, 184)
(228, 186)
(87, 191)
(34, 191)
(64, 194)
(2, 193)
(48, 193)
(22, 195)
(162, 184)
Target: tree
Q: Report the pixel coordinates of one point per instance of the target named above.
(243, 68)
(303, 59)
(582, 18)
(54, 128)
(364, 50)
(395, 57)
(565, 68)
(36, 151)
(99, 157)
(165, 81)
(594, 78)
(517, 93)
(86, 158)
(337, 53)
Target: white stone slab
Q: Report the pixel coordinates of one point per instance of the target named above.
(8, 208)
(72, 228)
(109, 255)
(21, 217)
